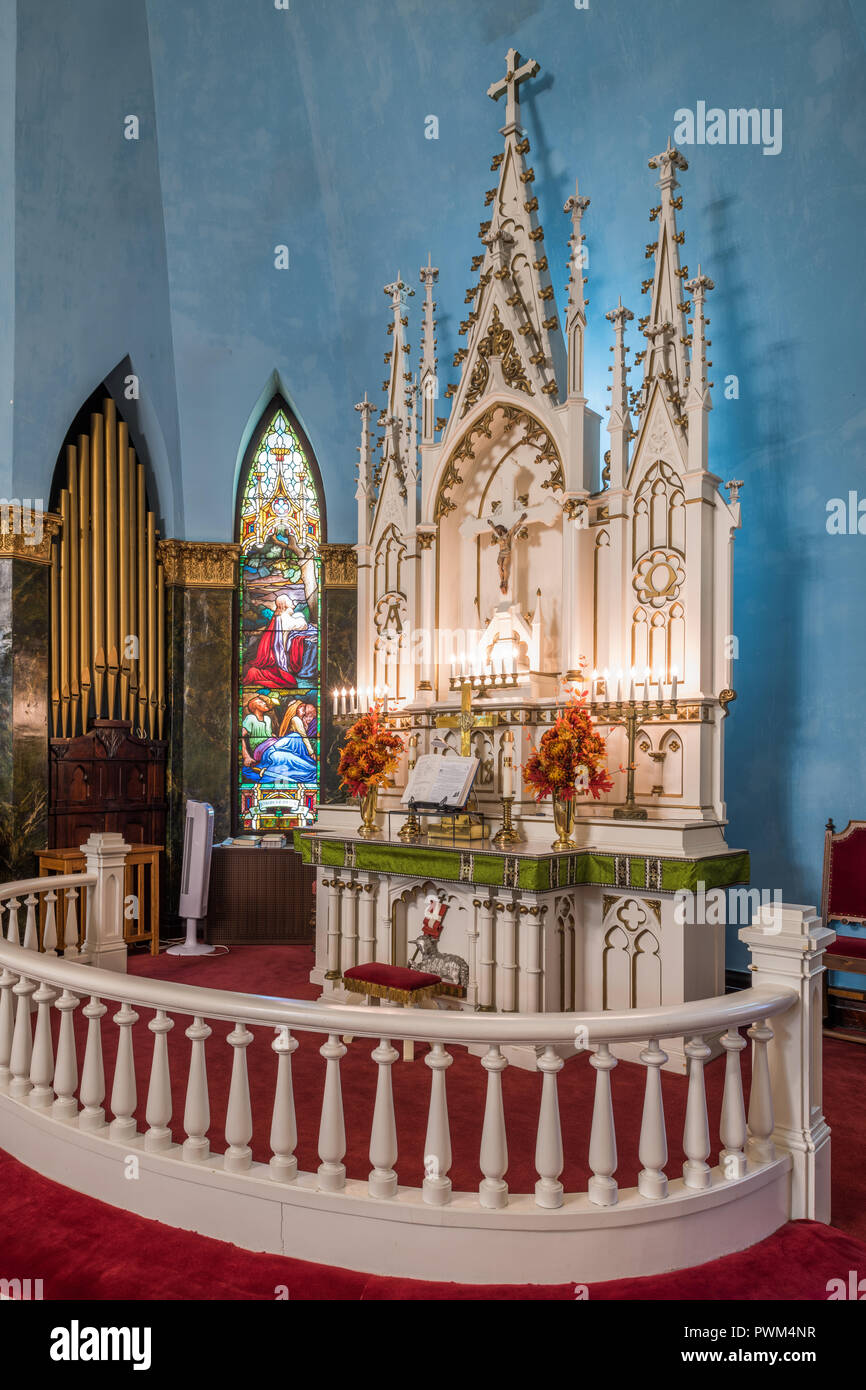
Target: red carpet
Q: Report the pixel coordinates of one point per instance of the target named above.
(284, 970)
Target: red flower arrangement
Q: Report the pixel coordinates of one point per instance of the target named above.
(370, 752)
(570, 749)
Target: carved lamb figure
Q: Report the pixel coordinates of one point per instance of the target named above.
(427, 956)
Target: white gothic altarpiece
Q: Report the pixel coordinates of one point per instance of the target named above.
(498, 549)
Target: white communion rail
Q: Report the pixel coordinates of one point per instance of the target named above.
(773, 1164)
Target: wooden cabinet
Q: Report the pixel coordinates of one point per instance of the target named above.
(106, 779)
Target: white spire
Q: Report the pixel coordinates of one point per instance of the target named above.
(619, 420)
(429, 361)
(575, 325)
(512, 329)
(365, 492)
(698, 399)
(665, 358)
(396, 411)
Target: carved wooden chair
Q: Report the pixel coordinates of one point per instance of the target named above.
(843, 899)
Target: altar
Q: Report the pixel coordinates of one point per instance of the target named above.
(503, 564)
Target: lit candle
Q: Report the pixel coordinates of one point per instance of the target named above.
(661, 690)
(508, 766)
(353, 703)
(618, 686)
(343, 700)
(646, 686)
(631, 685)
(336, 695)
(594, 686)
(606, 683)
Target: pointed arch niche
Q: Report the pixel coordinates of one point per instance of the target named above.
(280, 525)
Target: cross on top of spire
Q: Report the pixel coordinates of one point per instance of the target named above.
(509, 84)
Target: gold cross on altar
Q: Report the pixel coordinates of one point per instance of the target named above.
(466, 721)
(509, 84)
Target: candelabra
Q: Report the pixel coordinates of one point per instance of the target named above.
(481, 682)
(507, 834)
(630, 713)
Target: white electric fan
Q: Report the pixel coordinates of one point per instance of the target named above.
(195, 878)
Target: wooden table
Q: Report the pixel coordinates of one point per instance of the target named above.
(141, 880)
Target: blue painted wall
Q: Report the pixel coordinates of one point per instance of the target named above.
(306, 128)
(90, 284)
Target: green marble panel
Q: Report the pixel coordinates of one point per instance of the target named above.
(24, 709)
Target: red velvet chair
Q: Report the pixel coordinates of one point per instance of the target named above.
(843, 898)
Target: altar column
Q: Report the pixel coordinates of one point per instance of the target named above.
(427, 557)
(349, 950)
(335, 889)
(367, 921)
(506, 971)
(486, 909)
(530, 956)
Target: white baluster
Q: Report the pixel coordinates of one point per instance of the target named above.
(31, 933)
(196, 1113)
(332, 1129)
(732, 1128)
(22, 1040)
(602, 1187)
(92, 1092)
(65, 1106)
(12, 932)
(437, 1145)
(124, 1095)
(382, 1181)
(283, 1165)
(653, 1147)
(70, 935)
(548, 1142)
(42, 1061)
(239, 1116)
(760, 1147)
(696, 1135)
(158, 1110)
(49, 930)
(493, 1190)
(7, 1026)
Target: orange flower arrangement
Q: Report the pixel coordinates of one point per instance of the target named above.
(370, 752)
(570, 749)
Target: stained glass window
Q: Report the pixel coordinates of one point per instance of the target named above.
(280, 656)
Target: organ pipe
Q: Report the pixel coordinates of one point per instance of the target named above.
(107, 638)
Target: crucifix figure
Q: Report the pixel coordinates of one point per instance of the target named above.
(503, 537)
(508, 526)
(509, 84)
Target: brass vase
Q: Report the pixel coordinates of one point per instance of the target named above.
(563, 819)
(368, 829)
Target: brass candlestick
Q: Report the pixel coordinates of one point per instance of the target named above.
(506, 834)
(411, 828)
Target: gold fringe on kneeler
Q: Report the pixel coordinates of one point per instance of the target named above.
(400, 996)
